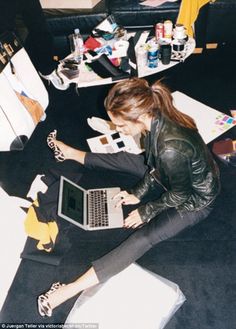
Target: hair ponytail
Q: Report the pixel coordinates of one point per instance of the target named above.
(166, 106)
(131, 98)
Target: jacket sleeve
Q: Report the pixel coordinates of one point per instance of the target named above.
(176, 167)
(144, 187)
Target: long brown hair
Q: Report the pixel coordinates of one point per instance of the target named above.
(131, 98)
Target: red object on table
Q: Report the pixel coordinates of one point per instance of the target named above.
(92, 43)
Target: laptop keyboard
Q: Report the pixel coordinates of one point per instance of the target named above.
(98, 210)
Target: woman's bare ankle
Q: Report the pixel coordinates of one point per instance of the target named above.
(78, 156)
(61, 295)
(71, 153)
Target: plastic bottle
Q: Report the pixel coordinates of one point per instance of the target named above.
(77, 45)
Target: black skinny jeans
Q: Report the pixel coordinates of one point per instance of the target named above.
(125, 162)
(166, 225)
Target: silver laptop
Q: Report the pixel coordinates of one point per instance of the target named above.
(92, 209)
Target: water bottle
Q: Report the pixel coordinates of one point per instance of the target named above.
(77, 45)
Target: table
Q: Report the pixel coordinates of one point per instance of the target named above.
(88, 78)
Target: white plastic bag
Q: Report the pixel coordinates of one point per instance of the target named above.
(134, 298)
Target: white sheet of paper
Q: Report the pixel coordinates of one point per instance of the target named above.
(210, 122)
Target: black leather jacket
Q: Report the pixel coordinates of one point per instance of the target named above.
(181, 162)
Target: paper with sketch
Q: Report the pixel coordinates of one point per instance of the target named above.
(155, 3)
(111, 141)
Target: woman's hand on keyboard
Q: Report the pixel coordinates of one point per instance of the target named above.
(125, 198)
(133, 220)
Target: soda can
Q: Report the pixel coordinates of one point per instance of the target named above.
(152, 56)
(159, 31)
(168, 28)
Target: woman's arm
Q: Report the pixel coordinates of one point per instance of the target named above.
(145, 186)
(177, 170)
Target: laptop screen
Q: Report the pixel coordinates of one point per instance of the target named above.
(72, 202)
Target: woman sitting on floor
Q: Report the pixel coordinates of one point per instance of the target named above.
(178, 161)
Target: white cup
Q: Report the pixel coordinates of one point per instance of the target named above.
(179, 32)
(121, 46)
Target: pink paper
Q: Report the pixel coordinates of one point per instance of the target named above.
(155, 3)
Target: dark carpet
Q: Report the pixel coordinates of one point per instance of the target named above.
(201, 260)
